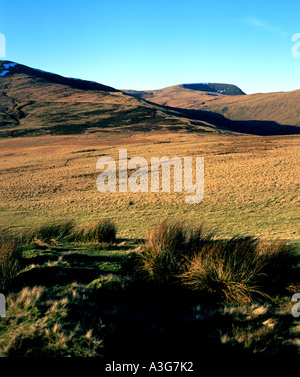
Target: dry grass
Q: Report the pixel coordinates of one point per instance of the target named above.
(238, 269)
(102, 231)
(50, 232)
(251, 183)
(10, 260)
(212, 275)
(59, 318)
(262, 329)
(41, 326)
(169, 247)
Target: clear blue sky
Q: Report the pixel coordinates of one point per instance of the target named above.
(151, 44)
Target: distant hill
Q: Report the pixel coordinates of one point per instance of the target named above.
(279, 107)
(227, 89)
(8, 68)
(35, 102)
(282, 107)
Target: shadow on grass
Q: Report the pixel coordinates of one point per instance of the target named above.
(54, 275)
(74, 259)
(145, 320)
(151, 323)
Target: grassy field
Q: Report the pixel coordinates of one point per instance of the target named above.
(81, 297)
(251, 183)
(78, 299)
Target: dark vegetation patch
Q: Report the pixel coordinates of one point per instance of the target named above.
(81, 291)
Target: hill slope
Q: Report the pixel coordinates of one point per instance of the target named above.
(34, 102)
(227, 89)
(280, 107)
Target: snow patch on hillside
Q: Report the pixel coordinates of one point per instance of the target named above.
(7, 66)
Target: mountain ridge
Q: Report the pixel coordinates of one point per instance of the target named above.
(35, 102)
(226, 89)
(53, 77)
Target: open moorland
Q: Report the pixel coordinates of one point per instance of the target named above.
(143, 276)
(90, 296)
(250, 183)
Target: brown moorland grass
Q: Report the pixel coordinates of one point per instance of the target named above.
(102, 231)
(251, 183)
(168, 249)
(10, 260)
(50, 232)
(281, 107)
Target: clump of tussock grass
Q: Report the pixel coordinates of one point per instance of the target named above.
(103, 231)
(239, 269)
(10, 260)
(224, 272)
(51, 232)
(168, 249)
(100, 232)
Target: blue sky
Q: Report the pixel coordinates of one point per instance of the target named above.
(151, 44)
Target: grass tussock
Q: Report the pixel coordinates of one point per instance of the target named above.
(169, 247)
(51, 232)
(234, 270)
(102, 231)
(207, 294)
(10, 260)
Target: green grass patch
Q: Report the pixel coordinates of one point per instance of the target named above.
(127, 299)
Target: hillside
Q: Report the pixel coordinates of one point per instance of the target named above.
(226, 89)
(280, 107)
(34, 102)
